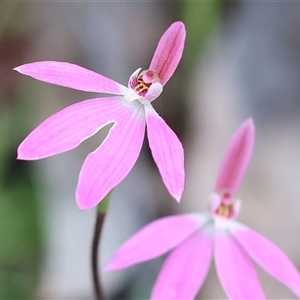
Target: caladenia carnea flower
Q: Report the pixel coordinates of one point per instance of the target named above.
(195, 238)
(129, 110)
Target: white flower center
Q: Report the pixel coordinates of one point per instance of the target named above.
(224, 208)
(143, 86)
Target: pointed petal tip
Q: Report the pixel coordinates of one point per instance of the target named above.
(24, 155)
(20, 69)
(249, 124)
(84, 204)
(110, 266)
(82, 208)
(250, 120)
(18, 155)
(107, 268)
(178, 24)
(21, 153)
(178, 197)
(249, 132)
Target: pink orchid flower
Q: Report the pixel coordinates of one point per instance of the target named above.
(129, 111)
(194, 238)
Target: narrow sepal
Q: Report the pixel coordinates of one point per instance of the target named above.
(109, 164)
(71, 76)
(167, 152)
(66, 129)
(236, 158)
(155, 239)
(235, 269)
(185, 269)
(268, 256)
(169, 52)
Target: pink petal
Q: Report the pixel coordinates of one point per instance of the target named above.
(167, 152)
(235, 270)
(72, 76)
(108, 165)
(269, 257)
(154, 91)
(169, 52)
(185, 268)
(153, 240)
(66, 129)
(236, 158)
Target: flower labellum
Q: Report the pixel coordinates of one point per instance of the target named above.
(129, 109)
(195, 238)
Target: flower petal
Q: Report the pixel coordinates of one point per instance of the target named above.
(110, 163)
(153, 240)
(167, 152)
(236, 158)
(235, 270)
(268, 256)
(66, 129)
(154, 91)
(71, 76)
(185, 268)
(169, 52)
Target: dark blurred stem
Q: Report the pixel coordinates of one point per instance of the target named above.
(95, 266)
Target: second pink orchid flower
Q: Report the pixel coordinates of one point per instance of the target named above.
(194, 238)
(129, 111)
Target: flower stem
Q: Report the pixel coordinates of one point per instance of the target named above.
(96, 275)
(101, 210)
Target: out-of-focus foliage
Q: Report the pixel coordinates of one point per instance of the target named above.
(19, 230)
(20, 237)
(200, 19)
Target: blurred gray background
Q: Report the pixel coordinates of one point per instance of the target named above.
(241, 59)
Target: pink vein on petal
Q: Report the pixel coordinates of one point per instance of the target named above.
(236, 158)
(109, 164)
(185, 269)
(167, 152)
(66, 129)
(71, 76)
(169, 52)
(153, 240)
(269, 257)
(235, 269)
